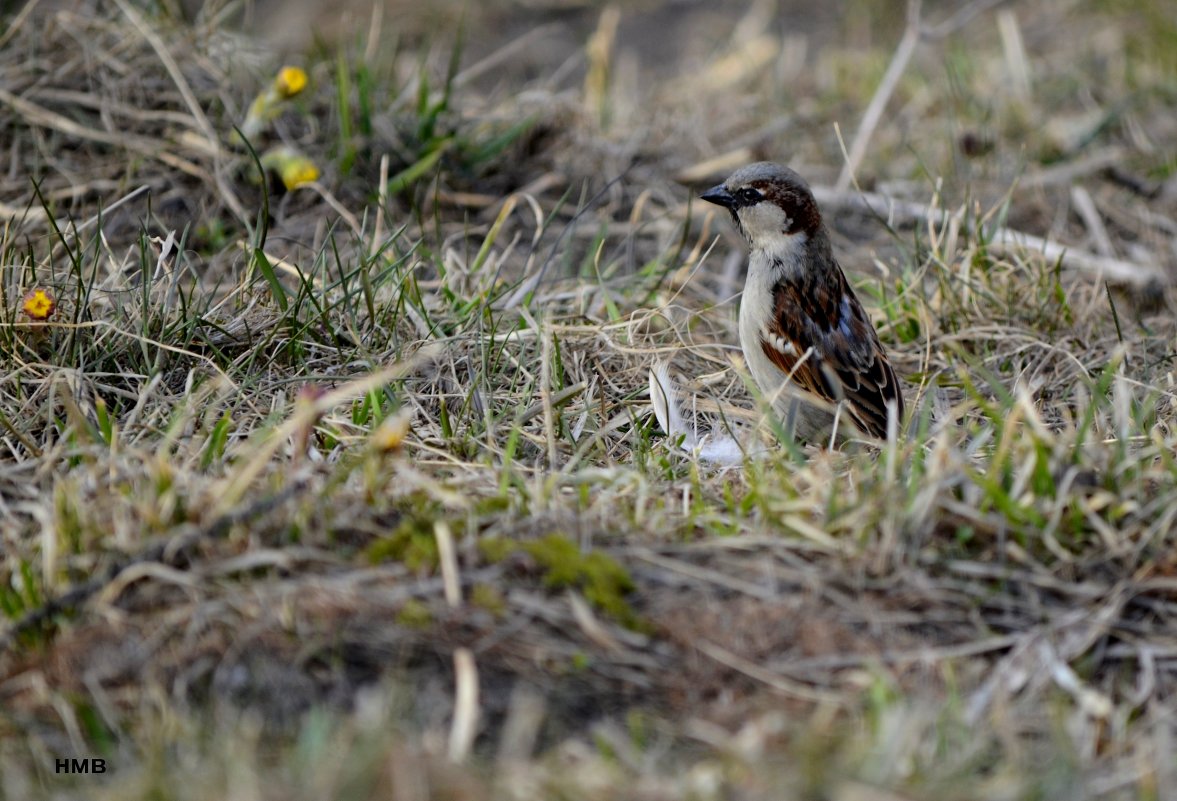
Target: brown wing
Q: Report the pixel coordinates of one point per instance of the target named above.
(847, 362)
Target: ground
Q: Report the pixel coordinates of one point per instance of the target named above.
(338, 477)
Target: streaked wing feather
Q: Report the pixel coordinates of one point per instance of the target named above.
(804, 371)
(846, 363)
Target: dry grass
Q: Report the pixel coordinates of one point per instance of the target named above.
(354, 490)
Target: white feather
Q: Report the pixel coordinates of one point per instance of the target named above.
(716, 449)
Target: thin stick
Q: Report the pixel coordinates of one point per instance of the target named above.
(18, 22)
(769, 678)
(1085, 207)
(870, 119)
(448, 559)
(903, 52)
(202, 121)
(545, 395)
(1117, 271)
(381, 207)
(465, 725)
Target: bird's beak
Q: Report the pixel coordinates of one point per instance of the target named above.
(719, 196)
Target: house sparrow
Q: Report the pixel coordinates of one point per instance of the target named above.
(805, 337)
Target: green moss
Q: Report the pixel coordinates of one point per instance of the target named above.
(496, 504)
(602, 580)
(496, 549)
(411, 542)
(488, 597)
(415, 615)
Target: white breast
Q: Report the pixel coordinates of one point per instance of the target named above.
(756, 309)
(765, 269)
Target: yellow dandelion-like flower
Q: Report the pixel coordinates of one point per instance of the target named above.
(39, 304)
(290, 81)
(292, 167)
(298, 171)
(391, 433)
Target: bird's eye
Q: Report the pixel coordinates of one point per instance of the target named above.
(750, 195)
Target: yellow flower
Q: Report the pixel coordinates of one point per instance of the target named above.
(39, 304)
(290, 81)
(298, 171)
(391, 432)
(292, 167)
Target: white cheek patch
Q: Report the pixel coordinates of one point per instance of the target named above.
(764, 221)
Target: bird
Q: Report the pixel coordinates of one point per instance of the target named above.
(806, 339)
